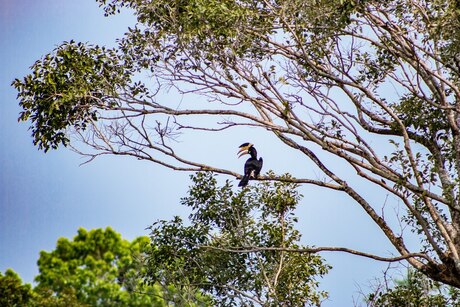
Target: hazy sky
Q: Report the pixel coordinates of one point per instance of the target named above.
(47, 196)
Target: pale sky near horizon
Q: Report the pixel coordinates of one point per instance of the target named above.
(47, 196)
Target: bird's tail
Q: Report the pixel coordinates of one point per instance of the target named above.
(244, 181)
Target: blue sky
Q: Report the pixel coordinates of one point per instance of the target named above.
(47, 196)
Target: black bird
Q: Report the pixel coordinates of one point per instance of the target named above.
(252, 166)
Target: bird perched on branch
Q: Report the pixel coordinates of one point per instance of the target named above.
(252, 166)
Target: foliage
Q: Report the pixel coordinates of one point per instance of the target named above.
(415, 290)
(366, 91)
(12, 292)
(226, 252)
(65, 89)
(96, 268)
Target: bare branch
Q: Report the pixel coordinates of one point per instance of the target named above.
(254, 249)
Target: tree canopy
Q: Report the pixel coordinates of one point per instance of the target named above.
(237, 248)
(96, 268)
(12, 292)
(370, 84)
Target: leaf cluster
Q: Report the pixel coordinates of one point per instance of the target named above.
(65, 89)
(421, 116)
(198, 25)
(415, 290)
(12, 292)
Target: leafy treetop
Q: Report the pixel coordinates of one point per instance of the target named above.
(238, 247)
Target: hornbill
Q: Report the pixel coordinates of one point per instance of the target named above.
(252, 166)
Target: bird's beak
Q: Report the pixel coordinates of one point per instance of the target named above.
(243, 150)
